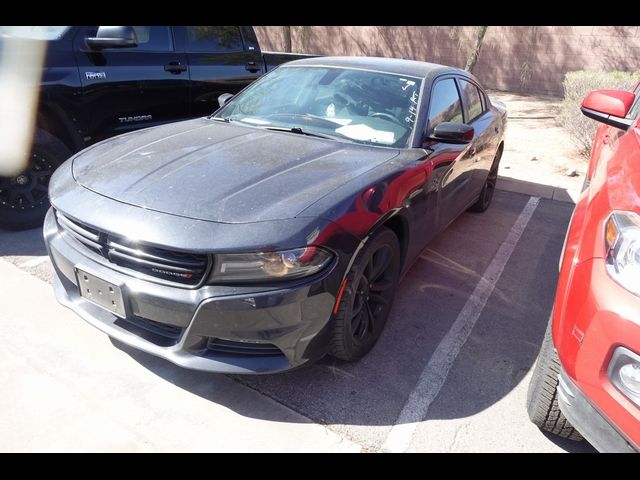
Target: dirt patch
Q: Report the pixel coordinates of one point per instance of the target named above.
(537, 149)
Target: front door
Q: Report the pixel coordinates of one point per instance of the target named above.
(129, 88)
(451, 162)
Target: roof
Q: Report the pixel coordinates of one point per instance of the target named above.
(389, 65)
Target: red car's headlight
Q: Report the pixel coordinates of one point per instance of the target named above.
(622, 239)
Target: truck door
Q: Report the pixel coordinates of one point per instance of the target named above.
(220, 61)
(129, 88)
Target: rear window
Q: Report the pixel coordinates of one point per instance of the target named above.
(472, 101)
(216, 39)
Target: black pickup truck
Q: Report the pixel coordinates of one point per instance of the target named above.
(98, 82)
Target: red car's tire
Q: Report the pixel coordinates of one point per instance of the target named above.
(542, 397)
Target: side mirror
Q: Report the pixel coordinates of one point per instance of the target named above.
(450, 132)
(113, 37)
(609, 107)
(224, 98)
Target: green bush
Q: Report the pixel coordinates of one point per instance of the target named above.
(576, 86)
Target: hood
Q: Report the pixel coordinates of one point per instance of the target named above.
(222, 172)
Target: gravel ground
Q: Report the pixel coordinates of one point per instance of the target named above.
(537, 149)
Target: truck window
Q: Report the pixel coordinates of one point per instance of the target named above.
(153, 39)
(217, 39)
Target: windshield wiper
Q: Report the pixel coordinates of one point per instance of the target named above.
(299, 131)
(220, 119)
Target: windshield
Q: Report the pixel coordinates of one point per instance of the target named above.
(361, 106)
(35, 33)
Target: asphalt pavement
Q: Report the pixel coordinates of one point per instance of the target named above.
(449, 374)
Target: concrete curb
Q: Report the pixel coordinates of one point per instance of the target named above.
(536, 189)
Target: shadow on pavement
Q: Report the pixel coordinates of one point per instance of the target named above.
(24, 243)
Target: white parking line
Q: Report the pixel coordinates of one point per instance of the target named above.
(34, 262)
(435, 372)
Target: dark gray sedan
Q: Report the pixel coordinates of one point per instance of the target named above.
(275, 231)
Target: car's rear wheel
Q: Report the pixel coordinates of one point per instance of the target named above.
(542, 397)
(24, 198)
(367, 297)
(486, 195)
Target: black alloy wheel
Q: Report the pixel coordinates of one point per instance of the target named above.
(367, 298)
(29, 188)
(24, 198)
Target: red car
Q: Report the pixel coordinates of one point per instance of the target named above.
(587, 379)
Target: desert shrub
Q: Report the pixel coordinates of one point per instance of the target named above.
(576, 85)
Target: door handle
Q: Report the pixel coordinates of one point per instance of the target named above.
(175, 67)
(252, 67)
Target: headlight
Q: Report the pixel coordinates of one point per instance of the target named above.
(269, 266)
(622, 238)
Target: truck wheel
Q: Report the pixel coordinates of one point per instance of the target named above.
(367, 297)
(542, 397)
(24, 199)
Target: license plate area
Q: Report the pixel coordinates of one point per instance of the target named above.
(100, 292)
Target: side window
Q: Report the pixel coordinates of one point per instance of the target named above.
(153, 39)
(214, 39)
(472, 103)
(635, 108)
(250, 39)
(445, 104)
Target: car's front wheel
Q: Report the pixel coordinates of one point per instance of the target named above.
(24, 198)
(367, 297)
(542, 397)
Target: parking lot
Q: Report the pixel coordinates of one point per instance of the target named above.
(449, 374)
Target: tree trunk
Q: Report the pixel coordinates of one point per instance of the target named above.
(286, 31)
(304, 32)
(475, 53)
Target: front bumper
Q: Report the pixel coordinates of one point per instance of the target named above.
(589, 422)
(211, 328)
(594, 317)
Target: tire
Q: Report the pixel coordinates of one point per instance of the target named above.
(542, 397)
(369, 292)
(489, 187)
(24, 199)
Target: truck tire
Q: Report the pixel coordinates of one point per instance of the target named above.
(542, 397)
(24, 198)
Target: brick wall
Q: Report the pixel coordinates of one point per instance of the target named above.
(521, 59)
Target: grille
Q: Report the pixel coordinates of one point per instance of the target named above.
(89, 237)
(229, 347)
(178, 267)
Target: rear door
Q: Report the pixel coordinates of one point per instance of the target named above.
(129, 88)
(221, 61)
(479, 156)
